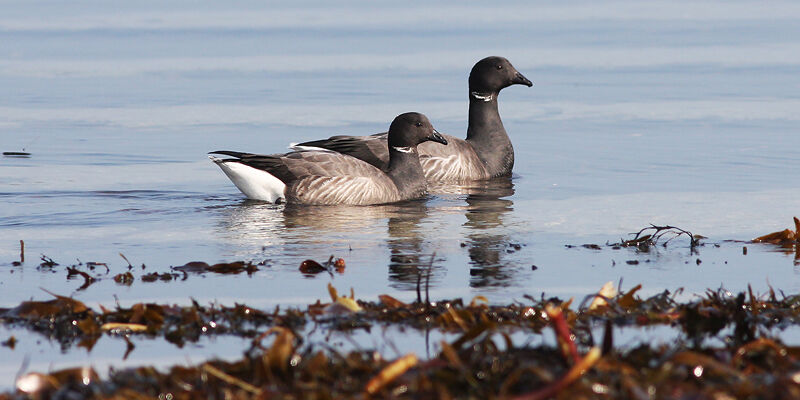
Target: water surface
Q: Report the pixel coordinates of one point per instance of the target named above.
(664, 113)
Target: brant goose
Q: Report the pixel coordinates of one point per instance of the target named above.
(327, 177)
(487, 151)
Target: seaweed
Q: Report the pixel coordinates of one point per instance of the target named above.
(725, 345)
(310, 267)
(786, 240)
(90, 274)
(648, 238)
(644, 241)
(482, 362)
(199, 267)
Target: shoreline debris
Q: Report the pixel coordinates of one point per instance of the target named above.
(787, 239)
(481, 361)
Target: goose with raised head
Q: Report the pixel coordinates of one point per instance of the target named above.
(326, 177)
(485, 153)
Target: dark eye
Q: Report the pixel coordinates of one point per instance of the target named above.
(418, 124)
(499, 67)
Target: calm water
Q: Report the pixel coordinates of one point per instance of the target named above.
(664, 113)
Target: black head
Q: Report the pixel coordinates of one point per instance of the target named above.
(411, 129)
(492, 74)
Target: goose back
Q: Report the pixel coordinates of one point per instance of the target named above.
(372, 149)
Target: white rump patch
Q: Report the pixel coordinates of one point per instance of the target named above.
(254, 183)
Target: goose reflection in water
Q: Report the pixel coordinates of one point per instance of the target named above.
(487, 242)
(407, 229)
(484, 212)
(303, 230)
(410, 262)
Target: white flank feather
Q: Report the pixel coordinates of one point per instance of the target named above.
(254, 183)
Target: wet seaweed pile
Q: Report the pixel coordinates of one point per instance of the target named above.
(92, 272)
(483, 362)
(727, 345)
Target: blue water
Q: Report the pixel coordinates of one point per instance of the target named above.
(667, 113)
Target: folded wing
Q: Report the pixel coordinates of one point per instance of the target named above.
(372, 149)
(455, 162)
(323, 177)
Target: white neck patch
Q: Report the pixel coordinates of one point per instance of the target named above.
(403, 149)
(484, 97)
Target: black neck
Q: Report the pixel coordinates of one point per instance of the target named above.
(406, 172)
(487, 135)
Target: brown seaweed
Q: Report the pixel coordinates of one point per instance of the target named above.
(474, 365)
(787, 239)
(200, 267)
(310, 267)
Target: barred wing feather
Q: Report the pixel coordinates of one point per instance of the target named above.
(355, 190)
(452, 163)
